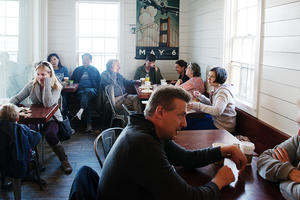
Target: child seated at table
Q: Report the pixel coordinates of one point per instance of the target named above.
(16, 142)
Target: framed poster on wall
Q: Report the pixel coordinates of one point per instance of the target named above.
(157, 29)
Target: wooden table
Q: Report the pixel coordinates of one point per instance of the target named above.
(70, 88)
(39, 115)
(249, 185)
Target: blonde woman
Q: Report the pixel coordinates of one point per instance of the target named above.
(45, 89)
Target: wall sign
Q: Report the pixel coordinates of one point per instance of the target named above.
(157, 29)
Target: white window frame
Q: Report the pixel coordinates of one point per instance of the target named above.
(78, 53)
(6, 17)
(229, 26)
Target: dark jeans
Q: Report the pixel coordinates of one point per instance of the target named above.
(65, 108)
(49, 130)
(205, 123)
(85, 97)
(85, 184)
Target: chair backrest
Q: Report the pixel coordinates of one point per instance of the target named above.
(110, 94)
(107, 138)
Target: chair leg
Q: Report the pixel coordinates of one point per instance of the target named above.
(39, 180)
(17, 188)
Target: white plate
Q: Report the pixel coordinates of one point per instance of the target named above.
(144, 102)
(147, 91)
(145, 86)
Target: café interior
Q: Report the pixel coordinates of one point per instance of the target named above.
(255, 41)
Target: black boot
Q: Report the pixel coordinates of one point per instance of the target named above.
(60, 152)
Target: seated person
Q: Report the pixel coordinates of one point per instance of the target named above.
(180, 66)
(60, 72)
(195, 83)
(88, 78)
(140, 164)
(113, 77)
(11, 134)
(149, 68)
(45, 90)
(220, 105)
(282, 164)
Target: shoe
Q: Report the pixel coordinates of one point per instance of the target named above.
(73, 131)
(79, 113)
(89, 128)
(6, 184)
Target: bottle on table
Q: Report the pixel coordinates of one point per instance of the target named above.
(147, 77)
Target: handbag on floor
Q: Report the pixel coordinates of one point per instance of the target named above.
(65, 130)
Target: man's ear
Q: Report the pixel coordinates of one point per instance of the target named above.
(159, 112)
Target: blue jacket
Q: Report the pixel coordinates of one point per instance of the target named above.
(15, 148)
(117, 80)
(93, 74)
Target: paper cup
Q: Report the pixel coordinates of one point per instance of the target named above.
(247, 148)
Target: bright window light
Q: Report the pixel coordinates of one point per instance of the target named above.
(98, 32)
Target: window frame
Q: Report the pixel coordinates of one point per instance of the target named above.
(101, 67)
(230, 26)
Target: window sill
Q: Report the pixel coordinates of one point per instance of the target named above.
(246, 106)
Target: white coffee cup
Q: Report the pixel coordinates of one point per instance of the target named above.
(142, 81)
(147, 83)
(247, 148)
(163, 82)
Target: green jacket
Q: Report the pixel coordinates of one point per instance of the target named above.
(155, 76)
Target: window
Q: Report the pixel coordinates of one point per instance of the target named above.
(98, 32)
(9, 28)
(242, 37)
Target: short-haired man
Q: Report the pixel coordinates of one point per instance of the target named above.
(180, 66)
(113, 77)
(149, 68)
(140, 164)
(88, 78)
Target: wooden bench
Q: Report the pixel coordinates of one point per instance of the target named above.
(261, 134)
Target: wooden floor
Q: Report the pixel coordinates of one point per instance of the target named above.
(80, 152)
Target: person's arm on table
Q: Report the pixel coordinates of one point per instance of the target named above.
(272, 168)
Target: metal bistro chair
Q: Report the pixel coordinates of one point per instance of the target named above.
(109, 91)
(108, 138)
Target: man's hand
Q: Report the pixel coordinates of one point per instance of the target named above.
(294, 175)
(155, 67)
(236, 156)
(281, 155)
(223, 177)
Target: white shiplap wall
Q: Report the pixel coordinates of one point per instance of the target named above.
(62, 31)
(203, 33)
(62, 36)
(280, 82)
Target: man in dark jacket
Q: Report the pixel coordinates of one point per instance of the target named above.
(149, 69)
(88, 78)
(140, 164)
